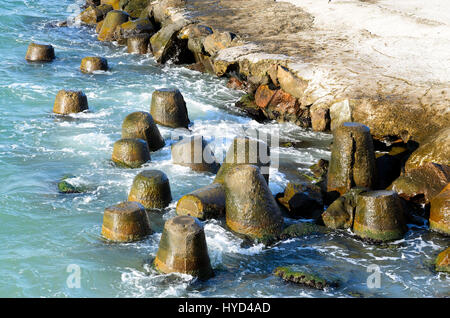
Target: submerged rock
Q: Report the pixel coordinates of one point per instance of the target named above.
(440, 211)
(205, 203)
(93, 63)
(125, 222)
(379, 216)
(168, 108)
(288, 274)
(141, 125)
(301, 229)
(65, 187)
(183, 248)
(40, 53)
(151, 188)
(109, 25)
(442, 263)
(352, 159)
(244, 151)
(130, 152)
(250, 207)
(193, 152)
(68, 102)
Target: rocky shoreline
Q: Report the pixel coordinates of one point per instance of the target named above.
(281, 87)
(388, 164)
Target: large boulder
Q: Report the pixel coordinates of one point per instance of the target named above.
(196, 34)
(281, 106)
(422, 183)
(440, 212)
(133, 7)
(436, 148)
(133, 28)
(293, 188)
(320, 117)
(205, 203)
(168, 108)
(218, 41)
(290, 83)
(352, 159)
(162, 9)
(94, 14)
(166, 45)
(250, 207)
(112, 20)
(340, 112)
(183, 248)
(302, 201)
(151, 188)
(194, 152)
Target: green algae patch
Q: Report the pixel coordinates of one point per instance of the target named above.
(65, 187)
(300, 277)
(301, 229)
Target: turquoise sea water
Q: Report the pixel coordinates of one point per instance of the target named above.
(44, 232)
